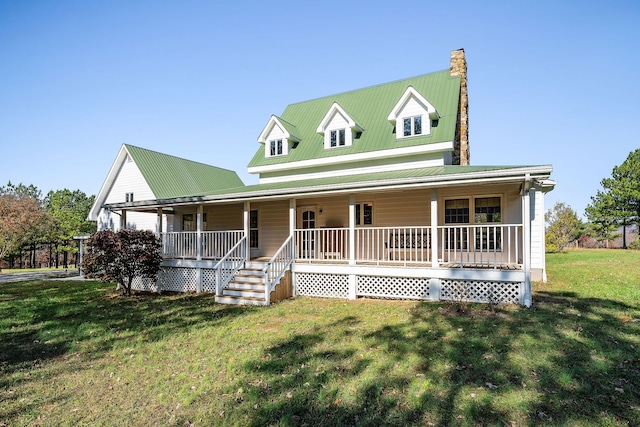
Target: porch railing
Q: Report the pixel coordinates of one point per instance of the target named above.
(492, 246)
(321, 244)
(217, 243)
(229, 264)
(277, 266)
(184, 244)
(180, 244)
(393, 244)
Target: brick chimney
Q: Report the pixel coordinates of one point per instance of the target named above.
(458, 67)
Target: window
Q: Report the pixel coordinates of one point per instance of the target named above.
(338, 138)
(364, 214)
(412, 126)
(456, 211)
(253, 229)
(188, 224)
(275, 147)
(128, 197)
(487, 211)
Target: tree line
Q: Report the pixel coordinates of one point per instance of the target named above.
(614, 207)
(31, 222)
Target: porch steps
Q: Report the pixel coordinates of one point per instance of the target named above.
(246, 287)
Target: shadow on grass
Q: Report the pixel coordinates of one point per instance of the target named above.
(45, 320)
(564, 361)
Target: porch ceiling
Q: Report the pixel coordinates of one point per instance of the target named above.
(440, 176)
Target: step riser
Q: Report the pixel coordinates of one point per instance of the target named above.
(252, 279)
(238, 301)
(244, 285)
(242, 293)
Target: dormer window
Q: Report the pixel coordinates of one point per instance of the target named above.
(338, 128)
(275, 147)
(338, 138)
(413, 126)
(278, 137)
(412, 115)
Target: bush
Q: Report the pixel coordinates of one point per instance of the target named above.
(120, 257)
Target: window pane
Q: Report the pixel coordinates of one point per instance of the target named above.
(368, 214)
(273, 148)
(417, 125)
(333, 138)
(342, 137)
(456, 211)
(187, 222)
(253, 219)
(407, 127)
(487, 209)
(279, 146)
(358, 214)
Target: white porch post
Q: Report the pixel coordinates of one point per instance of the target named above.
(159, 223)
(352, 229)
(526, 231)
(123, 219)
(247, 210)
(292, 230)
(434, 283)
(434, 229)
(352, 245)
(199, 222)
(292, 216)
(199, 232)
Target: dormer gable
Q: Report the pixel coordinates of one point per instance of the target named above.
(412, 115)
(338, 128)
(278, 137)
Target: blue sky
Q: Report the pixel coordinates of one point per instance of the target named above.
(550, 82)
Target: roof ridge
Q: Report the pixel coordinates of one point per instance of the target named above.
(177, 158)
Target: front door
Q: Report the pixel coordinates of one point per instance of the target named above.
(307, 222)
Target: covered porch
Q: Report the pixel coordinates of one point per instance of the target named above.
(467, 239)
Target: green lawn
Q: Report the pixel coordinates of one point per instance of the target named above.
(77, 353)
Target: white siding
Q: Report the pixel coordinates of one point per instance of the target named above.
(537, 233)
(129, 180)
(412, 108)
(273, 226)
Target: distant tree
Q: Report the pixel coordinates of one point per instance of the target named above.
(69, 211)
(603, 220)
(622, 193)
(20, 212)
(564, 227)
(122, 256)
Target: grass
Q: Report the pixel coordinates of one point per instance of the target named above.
(76, 353)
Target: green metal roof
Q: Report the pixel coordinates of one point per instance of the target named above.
(370, 107)
(431, 176)
(170, 176)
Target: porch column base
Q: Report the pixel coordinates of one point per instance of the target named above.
(434, 289)
(198, 280)
(352, 286)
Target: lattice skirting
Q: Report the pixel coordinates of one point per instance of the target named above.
(322, 285)
(481, 291)
(145, 285)
(178, 279)
(393, 287)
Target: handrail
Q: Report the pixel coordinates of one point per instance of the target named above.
(240, 257)
(277, 266)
